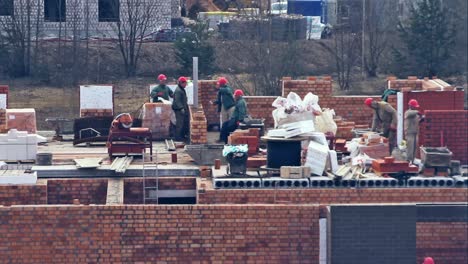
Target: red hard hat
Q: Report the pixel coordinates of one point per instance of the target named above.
(413, 103)
(238, 92)
(428, 260)
(222, 81)
(162, 77)
(182, 79)
(368, 101)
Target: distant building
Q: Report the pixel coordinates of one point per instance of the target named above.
(87, 17)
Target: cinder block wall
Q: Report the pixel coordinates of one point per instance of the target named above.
(173, 234)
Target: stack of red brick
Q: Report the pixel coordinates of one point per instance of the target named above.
(198, 126)
(157, 117)
(250, 137)
(95, 112)
(3, 121)
(22, 119)
(390, 165)
(344, 129)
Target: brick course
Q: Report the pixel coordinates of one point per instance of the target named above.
(172, 234)
(91, 191)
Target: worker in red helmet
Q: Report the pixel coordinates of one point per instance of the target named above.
(428, 260)
(162, 91)
(181, 110)
(225, 101)
(413, 116)
(240, 112)
(385, 117)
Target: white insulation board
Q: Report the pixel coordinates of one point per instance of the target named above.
(96, 97)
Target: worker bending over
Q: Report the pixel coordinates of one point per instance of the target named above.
(385, 116)
(240, 112)
(162, 91)
(181, 109)
(413, 117)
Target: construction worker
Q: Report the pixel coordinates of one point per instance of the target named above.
(225, 101)
(240, 112)
(386, 117)
(161, 91)
(413, 117)
(181, 109)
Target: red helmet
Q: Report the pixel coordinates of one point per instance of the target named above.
(368, 101)
(162, 77)
(238, 92)
(413, 103)
(182, 79)
(428, 260)
(222, 81)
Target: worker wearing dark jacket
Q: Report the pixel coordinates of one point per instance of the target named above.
(181, 109)
(225, 101)
(411, 123)
(240, 112)
(385, 116)
(161, 91)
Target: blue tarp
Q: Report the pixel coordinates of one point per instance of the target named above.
(305, 7)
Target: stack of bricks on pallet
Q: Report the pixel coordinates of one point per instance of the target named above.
(3, 121)
(95, 112)
(157, 117)
(249, 137)
(198, 126)
(22, 119)
(390, 165)
(3, 96)
(344, 129)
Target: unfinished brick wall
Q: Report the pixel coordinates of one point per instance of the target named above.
(176, 234)
(207, 92)
(260, 107)
(90, 191)
(133, 188)
(448, 128)
(23, 194)
(198, 126)
(157, 117)
(445, 242)
(332, 196)
(436, 100)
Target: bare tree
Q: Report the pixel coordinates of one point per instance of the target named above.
(137, 20)
(15, 38)
(345, 51)
(380, 23)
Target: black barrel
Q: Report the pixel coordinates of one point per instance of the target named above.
(283, 153)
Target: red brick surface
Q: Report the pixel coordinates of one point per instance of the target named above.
(63, 191)
(198, 126)
(133, 188)
(333, 196)
(160, 234)
(23, 194)
(452, 126)
(445, 242)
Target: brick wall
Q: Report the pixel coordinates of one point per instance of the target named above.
(198, 126)
(133, 188)
(452, 125)
(158, 121)
(23, 194)
(176, 234)
(332, 196)
(260, 107)
(445, 242)
(436, 100)
(207, 92)
(63, 191)
(95, 112)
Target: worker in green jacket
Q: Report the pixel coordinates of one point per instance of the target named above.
(225, 101)
(385, 116)
(240, 112)
(161, 91)
(181, 109)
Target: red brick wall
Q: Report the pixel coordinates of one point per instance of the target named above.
(207, 91)
(198, 126)
(454, 126)
(445, 242)
(63, 191)
(333, 196)
(260, 107)
(436, 100)
(23, 194)
(133, 188)
(176, 234)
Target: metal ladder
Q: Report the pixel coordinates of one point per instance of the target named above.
(150, 190)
